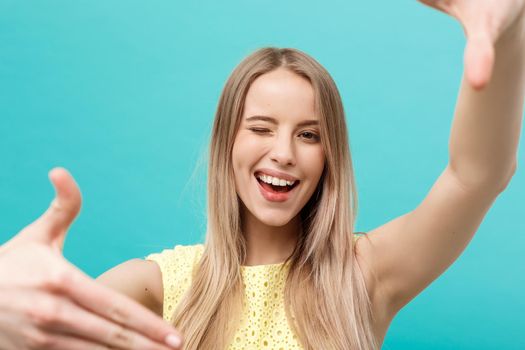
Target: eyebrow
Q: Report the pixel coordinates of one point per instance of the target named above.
(274, 121)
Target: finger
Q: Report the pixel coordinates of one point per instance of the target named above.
(440, 5)
(21, 315)
(66, 317)
(51, 228)
(39, 340)
(479, 60)
(113, 306)
(66, 204)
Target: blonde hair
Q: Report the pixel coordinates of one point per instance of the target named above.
(326, 300)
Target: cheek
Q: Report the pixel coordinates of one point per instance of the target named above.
(313, 160)
(246, 152)
(247, 149)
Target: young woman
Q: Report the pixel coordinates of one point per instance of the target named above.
(280, 268)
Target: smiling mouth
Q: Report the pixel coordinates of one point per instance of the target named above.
(277, 189)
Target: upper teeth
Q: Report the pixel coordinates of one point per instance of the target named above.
(274, 180)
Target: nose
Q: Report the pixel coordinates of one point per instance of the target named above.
(283, 151)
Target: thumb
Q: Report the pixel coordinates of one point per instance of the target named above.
(479, 60)
(63, 209)
(51, 228)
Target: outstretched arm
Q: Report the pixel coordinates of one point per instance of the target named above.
(405, 255)
(487, 123)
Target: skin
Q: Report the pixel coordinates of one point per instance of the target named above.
(484, 23)
(483, 148)
(271, 228)
(47, 303)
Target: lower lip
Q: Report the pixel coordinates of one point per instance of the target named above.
(275, 196)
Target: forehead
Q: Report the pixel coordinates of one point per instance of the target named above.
(281, 94)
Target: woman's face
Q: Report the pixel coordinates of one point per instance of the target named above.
(278, 141)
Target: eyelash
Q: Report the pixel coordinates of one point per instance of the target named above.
(314, 137)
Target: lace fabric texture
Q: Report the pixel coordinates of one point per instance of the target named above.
(263, 323)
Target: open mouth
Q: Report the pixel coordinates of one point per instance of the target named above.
(276, 188)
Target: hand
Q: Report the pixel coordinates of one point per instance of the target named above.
(484, 22)
(47, 303)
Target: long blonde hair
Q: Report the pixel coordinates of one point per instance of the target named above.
(326, 300)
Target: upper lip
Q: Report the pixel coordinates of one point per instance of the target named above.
(276, 173)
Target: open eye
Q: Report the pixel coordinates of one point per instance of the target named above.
(310, 136)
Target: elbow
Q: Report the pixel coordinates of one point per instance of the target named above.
(499, 182)
(509, 176)
(492, 181)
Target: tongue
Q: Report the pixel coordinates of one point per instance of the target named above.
(273, 188)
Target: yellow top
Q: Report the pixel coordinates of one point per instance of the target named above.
(263, 323)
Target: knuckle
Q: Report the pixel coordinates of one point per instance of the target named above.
(101, 347)
(118, 313)
(46, 312)
(37, 340)
(121, 337)
(56, 206)
(58, 280)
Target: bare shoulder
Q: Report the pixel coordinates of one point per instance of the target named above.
(406, 254)
(138, 279)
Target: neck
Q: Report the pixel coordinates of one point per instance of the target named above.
(269, 244)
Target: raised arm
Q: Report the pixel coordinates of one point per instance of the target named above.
(487, 123)
(405, 255)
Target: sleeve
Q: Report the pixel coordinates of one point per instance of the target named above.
(176, 266)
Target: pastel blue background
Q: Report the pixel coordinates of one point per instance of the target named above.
(123, 93)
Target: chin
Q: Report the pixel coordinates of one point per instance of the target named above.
(274, 220)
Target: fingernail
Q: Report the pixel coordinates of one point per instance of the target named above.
(174, 341)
